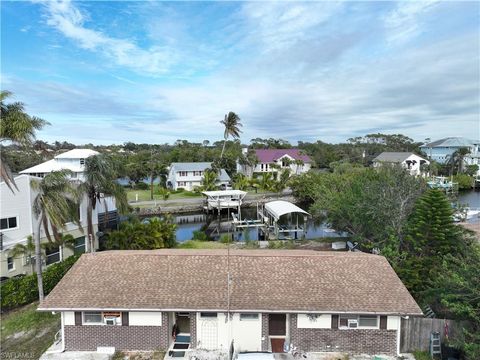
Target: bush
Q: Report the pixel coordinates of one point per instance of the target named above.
(20, 291)
(142, 186)
(199, 235)
(464, 181)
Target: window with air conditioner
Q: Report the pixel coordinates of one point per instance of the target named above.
(352, 323)
(110, 321)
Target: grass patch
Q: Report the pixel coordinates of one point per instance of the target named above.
(194, 244)
(144, 195)
(421, 355)
(26, 330)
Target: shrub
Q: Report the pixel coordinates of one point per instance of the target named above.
(464, 181)
(199, 235)
(142, 186)
(20, 291)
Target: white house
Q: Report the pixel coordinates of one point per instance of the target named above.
(271, 160)
(188, 175)
(18, 220)
(441, 150)
(73, 160)
(407, 160)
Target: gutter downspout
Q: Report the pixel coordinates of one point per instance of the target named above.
(62, 349)
(399, 327)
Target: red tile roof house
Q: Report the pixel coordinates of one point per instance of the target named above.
(315, 301)
(294, 159)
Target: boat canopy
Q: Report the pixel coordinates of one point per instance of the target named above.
(225, 193)
(279, 208)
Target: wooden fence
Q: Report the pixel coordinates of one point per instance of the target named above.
(415, 332)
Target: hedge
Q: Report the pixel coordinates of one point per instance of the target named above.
(24, 290)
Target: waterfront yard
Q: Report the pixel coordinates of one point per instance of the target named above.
(27, 333)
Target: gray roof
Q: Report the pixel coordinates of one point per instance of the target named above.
(261, 281)
(451, 142)
(394, 157)
(198, 166)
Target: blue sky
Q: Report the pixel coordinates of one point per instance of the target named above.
(147, 71)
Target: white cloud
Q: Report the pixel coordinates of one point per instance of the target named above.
(404, 21)
(70, 21)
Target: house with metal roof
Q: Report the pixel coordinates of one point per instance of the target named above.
(408, 160)
(442, 150)
(274, 160)
(231, 300)
(189, 175)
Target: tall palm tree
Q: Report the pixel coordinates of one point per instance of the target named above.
(209, 181)
(55, 204)
(101, 182)
(16, 126)
(26, 250)
(457, 160)
(232, 124)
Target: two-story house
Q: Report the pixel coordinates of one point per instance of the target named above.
(17, 219)
(188, 175)
(442, 150)
(275, 160)
(408, 160)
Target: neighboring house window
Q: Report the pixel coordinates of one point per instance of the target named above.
(82, 161)
(208, 315)
(181, 183)
(79, 246)
(8, 223)
(53, 255)
(74, 175)
(367, 321)
(261, 166)
(248, 316)
(197, 173)
(92, 317)
(183, 173)
(10, 264)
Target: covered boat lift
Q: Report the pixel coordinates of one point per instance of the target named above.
(274, 210)
(224, 199)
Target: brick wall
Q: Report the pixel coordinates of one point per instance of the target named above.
(89, 337)
(265, 344)
(355, 341)
(193, 330)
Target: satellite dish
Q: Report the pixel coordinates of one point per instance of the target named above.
(99, 234)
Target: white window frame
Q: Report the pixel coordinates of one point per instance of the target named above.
(357, 318)
(10, 228)
(202, 315)
(249, 316)
(53, 253)
(102, 316)
(79, 246)
(13, 263)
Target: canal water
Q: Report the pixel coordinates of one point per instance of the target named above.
(188, 223)
(199, 221)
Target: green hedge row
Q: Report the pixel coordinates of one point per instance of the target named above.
(24, 290)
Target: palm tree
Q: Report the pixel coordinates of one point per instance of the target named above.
(457, 160)
(100, 182)
(26, 250)
(232, 124)
(18, 127)
(267, 182)
(240, 182)
(55, 204)
(157, 169)
(209, 181)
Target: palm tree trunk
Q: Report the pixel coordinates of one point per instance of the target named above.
(151, 186)
(38, 260)
(223, 148)
(89, 244)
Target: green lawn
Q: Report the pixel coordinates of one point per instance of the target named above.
(144, 195)
(27, 332)
(195, 244)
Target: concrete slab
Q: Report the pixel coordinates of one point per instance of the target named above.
(75, 355)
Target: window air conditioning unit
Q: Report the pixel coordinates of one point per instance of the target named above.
(352, 323)
(110, 321)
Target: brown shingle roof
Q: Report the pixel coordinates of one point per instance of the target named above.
(263, 280)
